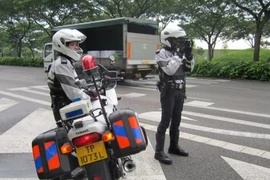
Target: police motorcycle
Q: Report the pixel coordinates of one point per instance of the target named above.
(96, 141)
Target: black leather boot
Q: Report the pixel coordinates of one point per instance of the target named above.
(174, 148)
(159, 154)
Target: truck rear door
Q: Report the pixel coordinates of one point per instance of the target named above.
(141, 49)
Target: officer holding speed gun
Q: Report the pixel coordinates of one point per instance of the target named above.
(173, 59)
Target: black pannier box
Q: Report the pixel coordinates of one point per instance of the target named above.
(129, 137)
(49, 161)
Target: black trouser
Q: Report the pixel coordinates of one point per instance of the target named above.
(57, 103)
(172, 101)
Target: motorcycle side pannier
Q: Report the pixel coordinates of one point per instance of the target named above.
(49, 161)
(129, 137)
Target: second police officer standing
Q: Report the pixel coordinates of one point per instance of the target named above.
(173, 60)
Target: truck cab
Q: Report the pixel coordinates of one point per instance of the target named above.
(48, 56)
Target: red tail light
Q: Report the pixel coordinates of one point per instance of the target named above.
(86, 139)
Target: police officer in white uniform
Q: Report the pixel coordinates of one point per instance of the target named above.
(62, 77)
(173, 60)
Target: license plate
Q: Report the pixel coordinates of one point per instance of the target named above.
(138, 75)
(91, 153)
(145, 62)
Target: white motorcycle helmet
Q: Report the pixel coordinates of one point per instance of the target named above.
(171, 31)
(62, 37)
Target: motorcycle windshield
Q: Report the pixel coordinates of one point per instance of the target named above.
(112, 81)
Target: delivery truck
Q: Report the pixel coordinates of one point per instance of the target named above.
(126, 45)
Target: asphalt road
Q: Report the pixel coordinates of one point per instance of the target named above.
(225, 126)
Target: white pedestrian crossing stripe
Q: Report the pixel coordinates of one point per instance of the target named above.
(248, 171)
(155, 115)
(218, 143)
(6, 103)
(225, 119)
(199, 103)
(18, 139)
(26, 89)
(132, 95)
(42, 87)
(26, 98)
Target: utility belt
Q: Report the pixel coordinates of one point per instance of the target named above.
(169, 85)
(174, 78)
(174, 85)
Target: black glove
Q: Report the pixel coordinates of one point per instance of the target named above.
(88, 92)
(188, 49)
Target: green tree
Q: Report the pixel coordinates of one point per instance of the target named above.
(51, 13)
(257, 11)
(16, 23)
(35, 39)
(164, 12)
(125, 8)
(206, 20)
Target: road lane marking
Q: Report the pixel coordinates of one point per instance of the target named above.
(199, 103)
(141, 88)
(226, 132)
(231, 120)
(190, 86)
(156, 115)
(6, 103)
(232, 111)
(154, 89)
(217, 143)
(202, 99)
(132, 95)
(248, 171)
(150, 170)
(18, 139)
(42, 87)
(26, 98)
(26, 89)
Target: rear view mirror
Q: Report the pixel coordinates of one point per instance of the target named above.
(112, 58)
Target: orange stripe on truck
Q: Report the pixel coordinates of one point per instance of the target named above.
(128, 50)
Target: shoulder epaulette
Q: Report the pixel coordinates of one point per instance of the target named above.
(63, 60)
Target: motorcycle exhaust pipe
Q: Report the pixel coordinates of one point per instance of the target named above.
(129, 165)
